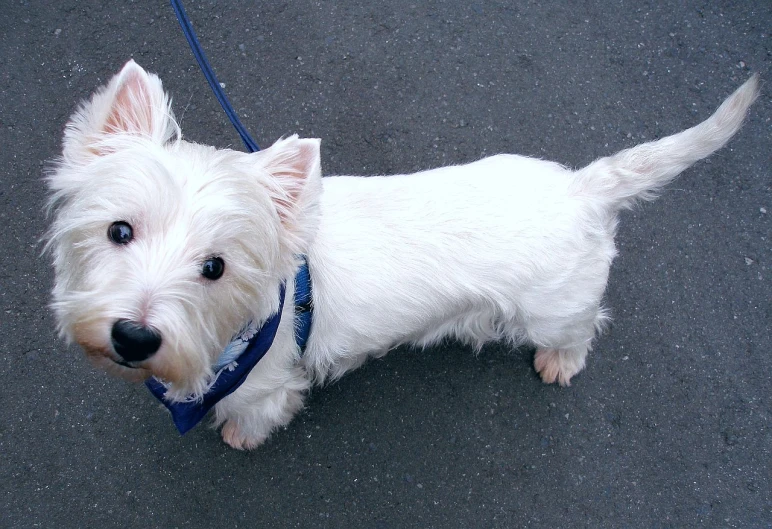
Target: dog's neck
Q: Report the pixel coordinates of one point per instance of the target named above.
(241, 356)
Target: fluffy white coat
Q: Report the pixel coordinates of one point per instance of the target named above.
(507, 247)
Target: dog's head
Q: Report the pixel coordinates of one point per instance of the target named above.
(163, 249)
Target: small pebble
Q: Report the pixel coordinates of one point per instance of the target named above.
(748, 261)
(222, 85)
(57, 32)
(242, 47)
(763, 210)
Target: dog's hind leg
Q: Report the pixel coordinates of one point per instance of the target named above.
(559, 365)
(562, 350)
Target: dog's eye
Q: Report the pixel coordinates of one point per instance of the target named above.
(213, 268)
(120, 232)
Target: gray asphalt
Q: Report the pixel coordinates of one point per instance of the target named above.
(669, 426)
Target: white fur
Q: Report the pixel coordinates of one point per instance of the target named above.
(508, 247)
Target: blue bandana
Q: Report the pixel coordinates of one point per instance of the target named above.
(240, 357)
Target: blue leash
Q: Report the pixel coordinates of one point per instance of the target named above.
(187, 414)
(219, 93)
(303, 298)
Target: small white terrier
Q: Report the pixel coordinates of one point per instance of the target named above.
(188, 243)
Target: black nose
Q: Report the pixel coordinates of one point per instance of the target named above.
(133, 342)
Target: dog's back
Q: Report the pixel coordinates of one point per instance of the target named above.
(505, 247)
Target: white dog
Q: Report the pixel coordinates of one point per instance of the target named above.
(164, 249)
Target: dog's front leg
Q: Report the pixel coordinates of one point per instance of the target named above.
(265, 402)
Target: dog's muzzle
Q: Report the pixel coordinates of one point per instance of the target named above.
(134, 342)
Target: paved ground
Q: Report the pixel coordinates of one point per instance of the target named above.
(669, 426)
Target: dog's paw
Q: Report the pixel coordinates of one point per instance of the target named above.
(557, 365)
(235, 437)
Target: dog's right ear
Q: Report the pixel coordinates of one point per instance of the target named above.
(293, 179)
(132, 103)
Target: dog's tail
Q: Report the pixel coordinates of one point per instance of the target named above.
(638, 172)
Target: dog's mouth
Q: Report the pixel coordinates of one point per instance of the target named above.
(123, 363)
(126, 370)
(105, 358)
(119, 367)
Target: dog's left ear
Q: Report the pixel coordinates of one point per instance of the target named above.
(133, 103)
(295, 170)
(139, 104)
